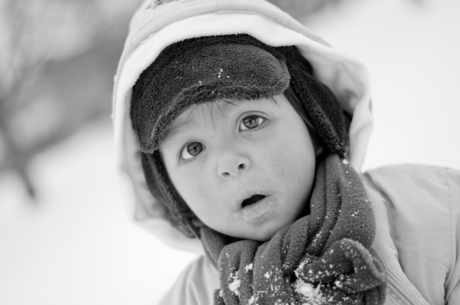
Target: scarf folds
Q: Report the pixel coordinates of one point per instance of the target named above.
(322, 258)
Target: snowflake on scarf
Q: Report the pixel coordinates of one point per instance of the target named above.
(156, 3)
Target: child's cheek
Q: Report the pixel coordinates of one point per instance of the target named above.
(286, 155)
(196, 188)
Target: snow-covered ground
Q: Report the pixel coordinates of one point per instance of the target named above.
(78, 246)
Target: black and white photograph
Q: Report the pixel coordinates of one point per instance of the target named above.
(229, 152)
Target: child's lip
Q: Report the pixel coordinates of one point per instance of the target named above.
(247, 192)
(255, 211)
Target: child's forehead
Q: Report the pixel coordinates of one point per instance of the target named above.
(226, 107)
(223, 108)
(205, 114)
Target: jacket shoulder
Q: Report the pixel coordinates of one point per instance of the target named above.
(414, 207)
(415, 173)
(408, 187)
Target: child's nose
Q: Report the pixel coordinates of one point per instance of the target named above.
(232, 165)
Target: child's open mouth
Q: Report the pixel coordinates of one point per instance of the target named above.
(251, 200)
(257, 208)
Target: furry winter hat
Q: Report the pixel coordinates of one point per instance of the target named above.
(206, 69)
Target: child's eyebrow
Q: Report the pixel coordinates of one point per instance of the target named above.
(172, 131)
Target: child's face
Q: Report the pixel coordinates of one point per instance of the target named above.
(219, 154)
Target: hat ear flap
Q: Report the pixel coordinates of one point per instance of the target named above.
(176, 211)
(319, 104)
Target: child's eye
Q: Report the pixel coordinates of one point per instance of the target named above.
(191, 150)
(251, 122)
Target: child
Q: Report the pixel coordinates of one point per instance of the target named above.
(233, 123)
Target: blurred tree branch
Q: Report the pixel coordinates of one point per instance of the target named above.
(53, 71)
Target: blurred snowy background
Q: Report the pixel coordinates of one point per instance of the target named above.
(65, 236)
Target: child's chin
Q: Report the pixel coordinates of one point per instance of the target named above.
(261, 234)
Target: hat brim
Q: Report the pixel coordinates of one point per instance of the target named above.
(207, 70)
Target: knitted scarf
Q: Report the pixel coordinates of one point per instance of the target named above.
(323, 258)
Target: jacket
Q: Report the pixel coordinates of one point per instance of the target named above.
(159, 23)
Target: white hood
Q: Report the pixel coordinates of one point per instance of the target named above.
(155, 26)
